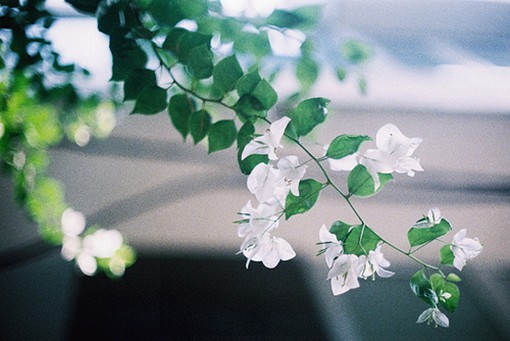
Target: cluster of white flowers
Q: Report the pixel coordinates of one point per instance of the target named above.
(85, 250)
(270, 185)
(346, 269)
(394, 153)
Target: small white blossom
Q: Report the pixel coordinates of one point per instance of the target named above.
(333, 248)
(291, 172)
(259, 244)
(102, 243)
(433, 218)
(344, 274)
(87, 263)
(268, 143)
(444, 296)
(434, 315)
(269, 250)
(73, 222)
(256, 220)
(71, 247)
(393, 154)
(263, 181)
(374, 263)
(464, 249)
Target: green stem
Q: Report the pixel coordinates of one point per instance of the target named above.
(347, 199)
(408, 254)
(193, 93)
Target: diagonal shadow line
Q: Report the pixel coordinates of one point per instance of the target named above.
(162, 195)
(145, 149)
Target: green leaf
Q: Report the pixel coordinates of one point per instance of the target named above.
(309, 191)
(166, 13)
(200, 63)
(199, 124)
(265, 94)
(248, 107)
(222, 135)
(126, 55)
(447, 292)
(360, 241)
(362, 86)
(341, 73)
(247, 83)
(256, 96)
(137, 81)
(340, 230)
(166, 57)
(307, 71)
(244, 137)
(151, 100)
(173, 39)
(453, 277)
(308, 114)
(111, 16)
(192, 9)
(256, 44)
(304, 17)
(180, 108)
(183, 43)
(344, 145)
(418, 236)
(361, 183)
(447, 256)
(226, 74)
(450, 303)
(422, 288)
(356, 52)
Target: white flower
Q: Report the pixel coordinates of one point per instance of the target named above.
(291, 172)
(333, 248)
(464, 249)
(393, 154)
(259, 244)
(71, 247)
(73, 222)
(257, 220)
(87, 263)
(263, 181)
(374, 263)
(433, 218)
(268, 143)
(344, 274)
(434, 315)
(102, 243)
(269, 250)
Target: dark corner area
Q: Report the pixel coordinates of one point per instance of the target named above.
(164, 298)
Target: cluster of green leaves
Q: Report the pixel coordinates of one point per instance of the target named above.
(437, 289)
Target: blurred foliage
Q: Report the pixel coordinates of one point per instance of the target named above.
(207, 63)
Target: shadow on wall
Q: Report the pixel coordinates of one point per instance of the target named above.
(166, 297)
